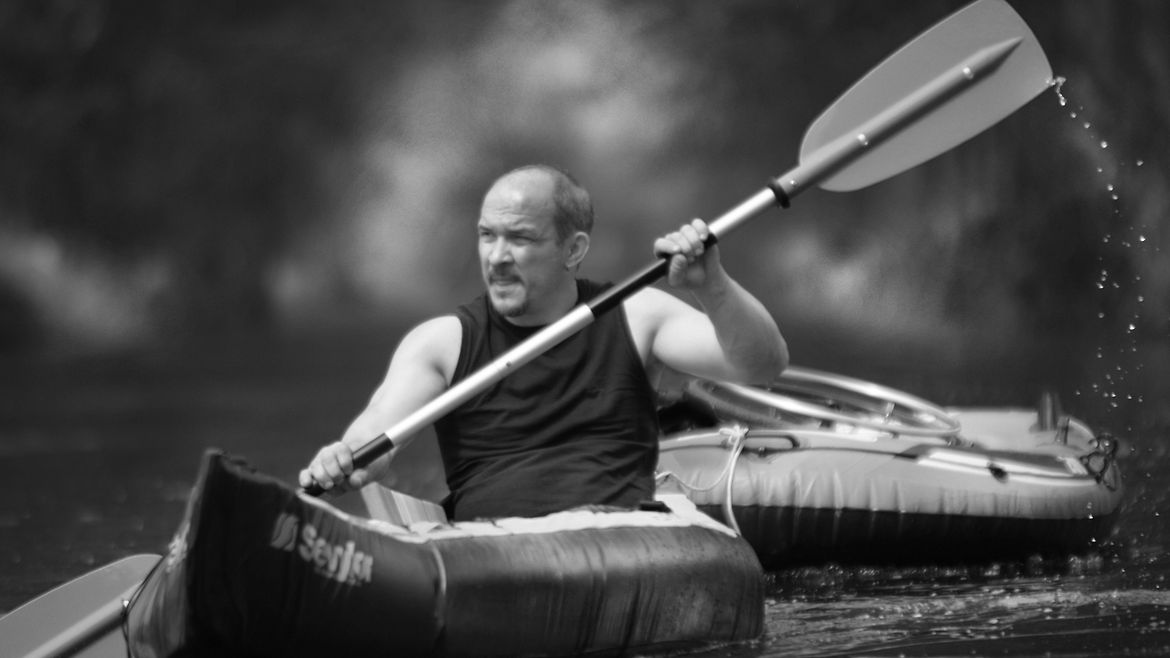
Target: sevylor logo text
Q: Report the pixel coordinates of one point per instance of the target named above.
(343, 563)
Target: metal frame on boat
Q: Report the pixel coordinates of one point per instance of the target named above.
(865, 483)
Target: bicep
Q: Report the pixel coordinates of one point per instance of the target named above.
(419, 371)
(677, 335)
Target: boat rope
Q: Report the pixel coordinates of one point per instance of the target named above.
(736, 436)
(733, 440)
(1099, 461)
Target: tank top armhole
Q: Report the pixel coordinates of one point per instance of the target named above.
(587, 289)
(631, 347)
(466, 320)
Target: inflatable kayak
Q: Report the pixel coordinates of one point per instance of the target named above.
(258, 569)
(820, 468)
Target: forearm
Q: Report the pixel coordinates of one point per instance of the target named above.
(417, 374)
(751, 341)
(368, 425)
(372, 422)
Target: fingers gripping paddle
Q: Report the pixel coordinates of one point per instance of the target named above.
(944, 87)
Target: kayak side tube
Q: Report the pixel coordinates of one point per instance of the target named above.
(258, 569)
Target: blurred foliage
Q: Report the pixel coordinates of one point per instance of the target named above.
(228, 161)
(193, 132)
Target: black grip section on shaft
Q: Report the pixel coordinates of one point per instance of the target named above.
(362, 457)
(609, 299)
(614, 296)
(365, 455)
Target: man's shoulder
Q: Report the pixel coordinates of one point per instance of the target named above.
(440, 333)
(438, 327)
(651, 301)
(649, 309)
(436, 341)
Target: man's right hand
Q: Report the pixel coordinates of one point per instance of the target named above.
(332, 469)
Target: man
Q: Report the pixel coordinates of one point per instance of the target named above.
(576, 425)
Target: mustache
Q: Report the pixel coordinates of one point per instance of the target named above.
(502, 275)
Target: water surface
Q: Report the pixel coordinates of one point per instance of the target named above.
(98, 455)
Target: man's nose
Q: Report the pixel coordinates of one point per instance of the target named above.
(500, 252)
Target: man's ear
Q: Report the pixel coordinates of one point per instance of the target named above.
(578, 247)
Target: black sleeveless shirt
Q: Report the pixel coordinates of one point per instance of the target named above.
(575, 426)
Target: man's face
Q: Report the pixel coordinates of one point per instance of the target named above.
(521, 261)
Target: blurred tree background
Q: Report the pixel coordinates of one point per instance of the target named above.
(199, 168)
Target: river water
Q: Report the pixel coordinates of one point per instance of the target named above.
(98, 455)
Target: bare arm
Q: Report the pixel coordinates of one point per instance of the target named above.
(419, 371)
(733, 337)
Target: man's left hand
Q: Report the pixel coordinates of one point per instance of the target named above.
(690, 260)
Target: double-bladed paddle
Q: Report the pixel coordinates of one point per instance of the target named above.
(948, 85)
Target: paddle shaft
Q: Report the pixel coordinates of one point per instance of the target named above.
(574, 321)
(829, 159)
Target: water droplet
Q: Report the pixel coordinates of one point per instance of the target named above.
(1057, 83)
(1104, 144)
(1140, 162)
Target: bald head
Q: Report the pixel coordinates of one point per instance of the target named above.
(543, 188)
(532, 238)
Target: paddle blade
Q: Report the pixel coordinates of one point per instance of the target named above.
(79, 618)
(991, 31)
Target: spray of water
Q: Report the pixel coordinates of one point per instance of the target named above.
(1119, 346)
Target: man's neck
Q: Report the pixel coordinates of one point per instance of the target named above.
(560, 303)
